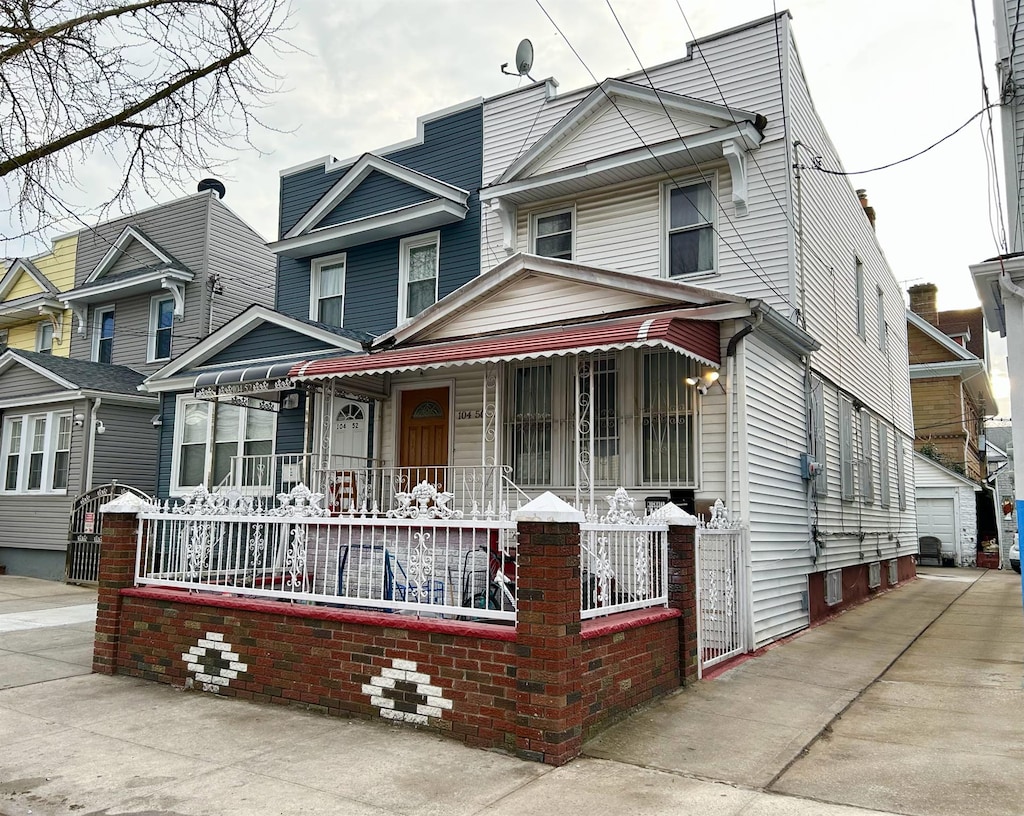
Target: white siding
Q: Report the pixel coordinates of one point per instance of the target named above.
(777, 507)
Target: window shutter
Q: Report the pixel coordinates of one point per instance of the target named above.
(846, 448)
(818, 435)
(867, 458)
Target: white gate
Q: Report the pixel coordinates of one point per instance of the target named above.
(721, 588)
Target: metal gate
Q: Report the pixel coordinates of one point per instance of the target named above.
(721, 589)
(83, 558)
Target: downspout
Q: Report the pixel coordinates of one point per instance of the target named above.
(90, 449)
(730, 356)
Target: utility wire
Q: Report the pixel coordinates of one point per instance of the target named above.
(819, 168)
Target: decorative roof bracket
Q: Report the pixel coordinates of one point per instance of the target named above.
(81, 312)
(56, 317)
(736, 155)
(177, 290)
(507, 216)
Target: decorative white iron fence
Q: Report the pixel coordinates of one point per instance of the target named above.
(367, 487)
(623, 560)
(421, 557)
(721, 594)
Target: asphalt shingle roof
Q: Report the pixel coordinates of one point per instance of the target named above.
(115, 379)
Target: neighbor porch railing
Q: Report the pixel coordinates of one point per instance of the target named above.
(367, 487)
(294, 551)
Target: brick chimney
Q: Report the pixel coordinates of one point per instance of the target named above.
(922, 301)
(869, 211)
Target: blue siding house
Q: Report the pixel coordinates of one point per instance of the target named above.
(364, 246)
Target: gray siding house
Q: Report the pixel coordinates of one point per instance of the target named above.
(146, 288)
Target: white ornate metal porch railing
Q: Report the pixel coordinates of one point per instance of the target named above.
(366, 487)
(421, 558)
(623, 560)
(721, 588)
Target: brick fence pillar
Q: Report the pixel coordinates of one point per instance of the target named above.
(682, 583)
(549, 648)
(117, 570)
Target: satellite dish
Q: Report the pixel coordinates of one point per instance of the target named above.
(524, 61)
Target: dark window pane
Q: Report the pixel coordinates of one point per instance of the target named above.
(690, 206)
(331, 311)
(691, 251)
(555, 246)
(549, 224)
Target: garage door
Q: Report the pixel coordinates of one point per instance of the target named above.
(935, 517)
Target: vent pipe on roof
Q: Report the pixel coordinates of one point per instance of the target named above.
(869, 211)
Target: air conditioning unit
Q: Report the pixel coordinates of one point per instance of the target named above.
(894, 572)
(874, 575)
(833, 587)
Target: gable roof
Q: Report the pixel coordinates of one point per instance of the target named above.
(23, 266)
(366, 164)
(935, 334)
(340, 338)
(81, 375)
(132, 233)
(607, 95)
(943, 471)
(520, 266)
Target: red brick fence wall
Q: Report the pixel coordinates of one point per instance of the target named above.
(537, 689)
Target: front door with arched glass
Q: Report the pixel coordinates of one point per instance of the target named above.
(423, 433)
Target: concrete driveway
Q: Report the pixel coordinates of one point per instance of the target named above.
(909, 704)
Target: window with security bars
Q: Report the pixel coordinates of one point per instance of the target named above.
(626, 419)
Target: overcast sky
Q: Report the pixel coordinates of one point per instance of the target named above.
(886, 78)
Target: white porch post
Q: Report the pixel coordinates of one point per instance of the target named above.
(584, 429)
(490, 443)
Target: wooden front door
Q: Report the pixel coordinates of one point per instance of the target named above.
(423, 433)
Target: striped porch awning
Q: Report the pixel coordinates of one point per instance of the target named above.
(697, 339)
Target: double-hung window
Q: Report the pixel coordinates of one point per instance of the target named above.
(210, 439)
(553, 234)
(690, 228)
(858, 285)
(161, 323)
(103, 335)
(44, 338)
(418, 274)
(846, 458)
(36, 453)
(867, 458)
(327, 290)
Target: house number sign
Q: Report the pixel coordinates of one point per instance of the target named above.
(461, 416)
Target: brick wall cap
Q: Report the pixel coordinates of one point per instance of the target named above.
(126, 503)
(548, 507)
(673, 515)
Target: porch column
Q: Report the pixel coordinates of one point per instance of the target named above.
(549, 649)
(117, 571)
(682, 584)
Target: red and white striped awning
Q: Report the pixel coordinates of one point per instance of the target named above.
(694, 338)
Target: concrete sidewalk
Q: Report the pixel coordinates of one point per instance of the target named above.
(746, 743)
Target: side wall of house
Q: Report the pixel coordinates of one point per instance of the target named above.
(180, 228)
(126, 450)
(240, 263)
(776, 506)
(836, 235)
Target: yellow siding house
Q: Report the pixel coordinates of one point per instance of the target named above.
(32, 313)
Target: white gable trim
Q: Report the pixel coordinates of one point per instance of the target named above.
(117, 249)
(603, 96)
(239, 327)
(953, 476)
(11, 357)
(413, 219)
(940, 337)
(22, 266)
(366, 164)
(520, 265)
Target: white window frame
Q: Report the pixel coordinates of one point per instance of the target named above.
(405, 247)
(711, 179)
(49, 452)
(537, 216)
(867, 458)
(314, 283)
(97, 328)
(44, 328)
(861, 309)
(885, 488)
(178, 489)
(154, 327)
(846, 485)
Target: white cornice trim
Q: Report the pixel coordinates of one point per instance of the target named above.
(76, 395)
(367, 164)
(129, 234)
(165, 277)
(238, 327)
